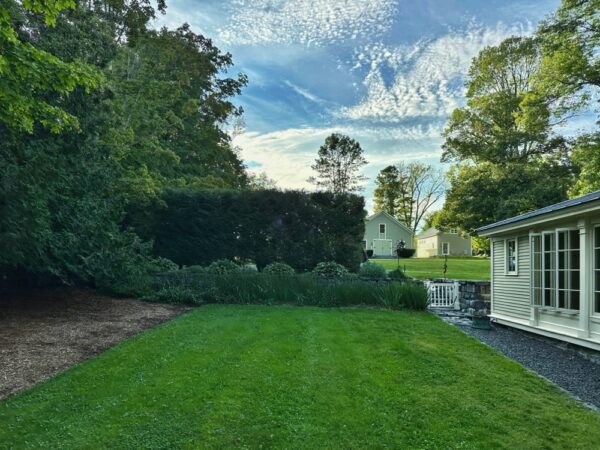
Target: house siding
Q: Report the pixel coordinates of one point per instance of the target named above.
(511, 293)
(394, 232)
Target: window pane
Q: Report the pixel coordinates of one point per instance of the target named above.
(548, 297)
(574, 239)
(563, 277)
(382, 228)
(562, 303)
(562, 260)
(597, 237)
(574, 280)
(537, 297)
(574, 259)
(575, 300)
(597, 280)
(597, 258)
(536, 244)
(597, 303)
(562, 240)
(537, 279)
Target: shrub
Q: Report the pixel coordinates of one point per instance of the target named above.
(176, 294)
(397, 274)
(161, 264)
(370, 253)
(223, 266)
(330, 269)
(372, 271)
(278, 268)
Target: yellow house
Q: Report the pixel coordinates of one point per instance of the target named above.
(434, 242)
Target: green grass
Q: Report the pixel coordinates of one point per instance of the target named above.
(459, 268)
(298, 377)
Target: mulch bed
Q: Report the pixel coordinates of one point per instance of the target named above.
(43, 332)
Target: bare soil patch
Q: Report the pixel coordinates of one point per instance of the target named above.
(43, 332)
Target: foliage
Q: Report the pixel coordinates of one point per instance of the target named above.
(503, 122)
(26, 72)
(223, 266)
(173, 101)
(197, 227)
(278, 268)
(175, 294)
(337, 165)
(372, 270)
(570, 68)
(485, 193)
(330, 269)
(409, 191)
(586, 158)
(409, 296)
(396, 274)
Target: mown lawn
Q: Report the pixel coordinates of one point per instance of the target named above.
(459, 268)
(290, 377)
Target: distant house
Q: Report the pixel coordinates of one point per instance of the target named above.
(546, 270)
(434, 242)
(383, 232)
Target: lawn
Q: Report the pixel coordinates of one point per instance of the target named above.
(298, 377)
(459, 268)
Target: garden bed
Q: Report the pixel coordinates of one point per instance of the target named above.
(44, 332)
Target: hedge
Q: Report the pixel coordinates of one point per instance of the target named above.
(264, 226)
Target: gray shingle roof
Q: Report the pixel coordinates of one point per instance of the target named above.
(428, 233)
(593, 196)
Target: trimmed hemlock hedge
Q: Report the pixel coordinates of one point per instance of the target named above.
(300, 228)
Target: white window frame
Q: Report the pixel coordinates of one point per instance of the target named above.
(512, 273)
(384, 230)
(532, 236)
(448, 248)
(595, 268)
(568, 270)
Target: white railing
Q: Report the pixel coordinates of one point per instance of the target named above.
(443, 294)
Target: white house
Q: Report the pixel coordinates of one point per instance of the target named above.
(546, 271)
(383, 232)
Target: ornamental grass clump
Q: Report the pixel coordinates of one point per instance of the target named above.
(372, 271)
(223, 266)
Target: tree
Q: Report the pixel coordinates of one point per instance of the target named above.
(389, 190)
(409, 191)
(570, 67)
(430, 220)
(261, 181)
(27, 72)
(485, 193)
(503, 122)
(586, 158)
(172, 104)
(337, 165)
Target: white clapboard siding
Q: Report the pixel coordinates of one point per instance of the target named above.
(510, 292)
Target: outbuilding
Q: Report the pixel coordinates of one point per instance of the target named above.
(434, 242)
(383, 233)
(546, 271)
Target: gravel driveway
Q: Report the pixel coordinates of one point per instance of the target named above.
(574, 369)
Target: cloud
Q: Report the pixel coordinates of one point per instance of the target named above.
(426, 78)
(286, 155)
(306, 22)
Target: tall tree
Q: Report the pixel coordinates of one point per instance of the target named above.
(389, 191)
(409, 191)
(586, 158)
(27, 73)
(338, 164)
(502, 122)
(570, 69)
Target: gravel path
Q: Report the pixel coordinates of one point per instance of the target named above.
(574, 369)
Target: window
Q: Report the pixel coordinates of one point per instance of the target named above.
(453, 231)
(445, 248)
(511, 256)
(382, 230)
(555, 262)
(597, 269)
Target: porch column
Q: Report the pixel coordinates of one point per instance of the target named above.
(585, 277)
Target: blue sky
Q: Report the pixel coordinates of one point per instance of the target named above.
(386, 72)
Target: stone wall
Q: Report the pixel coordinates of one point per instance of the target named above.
(474, 297)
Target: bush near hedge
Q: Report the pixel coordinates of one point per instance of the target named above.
(278, 268)
(372, 271)
(300, 228)
(330, 269)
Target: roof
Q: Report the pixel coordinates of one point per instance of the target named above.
(373, 216)
(428, 233)
(591, 197)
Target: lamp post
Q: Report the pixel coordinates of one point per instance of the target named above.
(399, 249)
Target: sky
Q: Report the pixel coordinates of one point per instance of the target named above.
(388, 73)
